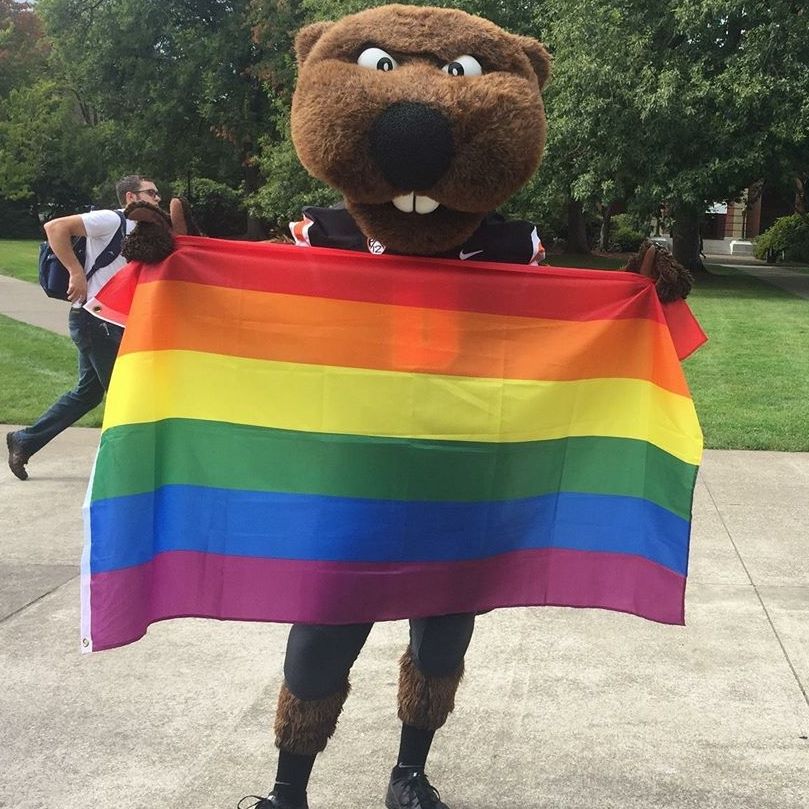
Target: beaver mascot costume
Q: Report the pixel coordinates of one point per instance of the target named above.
(426, 120)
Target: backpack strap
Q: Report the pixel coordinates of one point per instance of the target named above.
(112, 250)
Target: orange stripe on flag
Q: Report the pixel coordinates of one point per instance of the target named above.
(304, 329)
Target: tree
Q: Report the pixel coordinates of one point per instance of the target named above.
(724, 105)
(685, 102)
(174, 79)
(23, 48)
(49, 160)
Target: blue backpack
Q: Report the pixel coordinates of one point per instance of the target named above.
(53, 275)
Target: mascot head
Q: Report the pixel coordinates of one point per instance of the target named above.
(424, 119)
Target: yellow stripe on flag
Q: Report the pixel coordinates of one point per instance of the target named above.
(154, 385)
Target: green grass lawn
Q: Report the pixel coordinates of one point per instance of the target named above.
(36, 367)
(18, 258)
(750, 382)
(591, 262)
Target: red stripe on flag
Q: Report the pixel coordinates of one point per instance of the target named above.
(486, 287)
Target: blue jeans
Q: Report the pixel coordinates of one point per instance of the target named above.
(97, 342)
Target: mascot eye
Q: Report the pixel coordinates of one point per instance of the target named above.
(464, 66)
(377, 59)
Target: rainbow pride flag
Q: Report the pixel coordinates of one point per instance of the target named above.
(325, 436)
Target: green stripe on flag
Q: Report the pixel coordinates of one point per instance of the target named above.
(139, 458)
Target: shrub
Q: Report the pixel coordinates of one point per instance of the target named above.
(17, 221)
(218, 209)
(625, 236)
(787, 238)
(288, 187)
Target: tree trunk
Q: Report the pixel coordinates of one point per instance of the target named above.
(685, 239)
(801, 184)
(606, 223)
(576, 230)
(607, 212)
(252, 182)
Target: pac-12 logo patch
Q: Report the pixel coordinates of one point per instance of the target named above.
(376, 247)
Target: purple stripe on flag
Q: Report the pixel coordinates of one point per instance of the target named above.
(192, 584)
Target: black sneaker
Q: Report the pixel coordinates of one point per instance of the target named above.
(272, 801)
(412, 791)
(17, 457)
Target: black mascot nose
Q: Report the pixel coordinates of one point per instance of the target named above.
(412, 145)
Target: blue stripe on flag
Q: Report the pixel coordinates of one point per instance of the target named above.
(136, 528)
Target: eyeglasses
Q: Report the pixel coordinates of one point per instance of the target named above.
(152, 192)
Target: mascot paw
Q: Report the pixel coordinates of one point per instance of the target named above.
(672, 280)
(151, 241)
(182, 220)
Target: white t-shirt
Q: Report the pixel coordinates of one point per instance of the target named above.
(101, 227)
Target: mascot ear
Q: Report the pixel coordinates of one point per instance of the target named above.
(307, 37)
(539, 58)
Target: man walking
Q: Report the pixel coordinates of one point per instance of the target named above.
(96, 341)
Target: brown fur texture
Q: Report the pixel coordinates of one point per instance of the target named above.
(305, 726)
(425, 702)
(672, 280)
(151, 240)
(496, 120)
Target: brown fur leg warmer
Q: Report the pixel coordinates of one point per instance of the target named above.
(425, 702)
(305, 726)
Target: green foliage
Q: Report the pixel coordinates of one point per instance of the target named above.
(17, 220)
(517, 16)
(49, 160)
(539, 202)
(219, 210)
(625, 235)
(23, 48)
(684, 102)
(170, 78)
(788, 238)
(288, 187)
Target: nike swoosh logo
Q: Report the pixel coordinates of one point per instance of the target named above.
(463, 256)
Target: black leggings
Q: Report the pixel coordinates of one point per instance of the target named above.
(319, 657)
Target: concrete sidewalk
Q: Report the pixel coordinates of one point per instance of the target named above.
(27, 302)
(790, 280)
(560, 709)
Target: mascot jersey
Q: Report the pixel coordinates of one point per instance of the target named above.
(496, 239)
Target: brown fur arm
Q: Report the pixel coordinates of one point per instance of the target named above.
(672, 280)
(182, 220)
(151, 241)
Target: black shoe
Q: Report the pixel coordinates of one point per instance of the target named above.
(272, 801)
(412, 791)
(17, 457)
